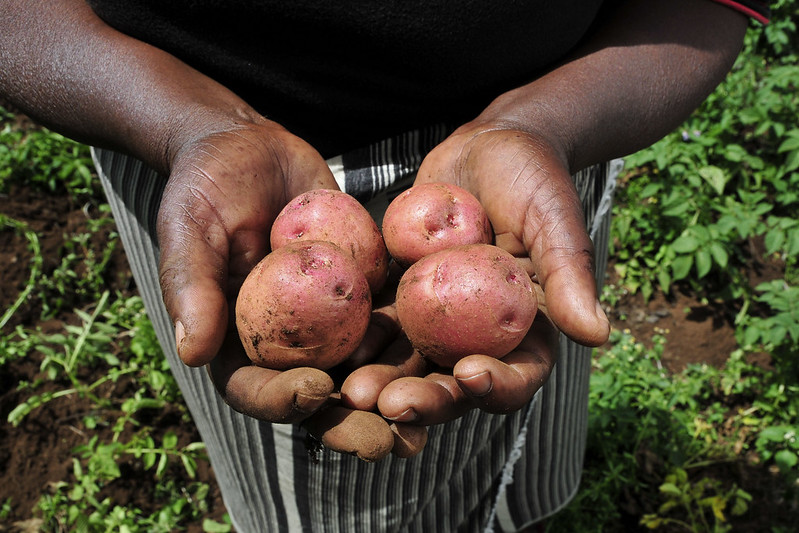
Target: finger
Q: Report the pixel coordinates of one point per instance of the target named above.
(434, 399)
(541, 208)
(265, 394)
(361, 433)
(382, 331)
(562, 257)
(409, 440)
(384, 326)
(502, 386)
(213, 224)
(201, 249)
(362, 387)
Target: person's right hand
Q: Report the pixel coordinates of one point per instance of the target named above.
(224, 191)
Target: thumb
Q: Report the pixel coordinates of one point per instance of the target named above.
(536, 213)
(193, 272)
(562, 255)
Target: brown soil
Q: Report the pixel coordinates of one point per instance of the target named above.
(38, 453)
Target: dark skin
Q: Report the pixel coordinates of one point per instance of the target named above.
(231, 171)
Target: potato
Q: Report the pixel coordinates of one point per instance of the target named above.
(431, 217)
(472, 299)
(334, 216)
(305, 304)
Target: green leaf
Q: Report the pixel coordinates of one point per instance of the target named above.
(161, 468)
(751, 336)
(664, 279)
(703, 263)
(773, 434)
(194, 447)
(148, 460)
(170, 441)
(715, 177)
(677, 210)
(190, 465)
(793, 242)
(774, 240)
(740, 505)
(719, 254)
(792, 161)
(18, 413)
(685, 244)
(650, 190)
(671, 489)
(785, 460)
(681, 266)
(791, 143)
(211, 526)
(735, 153)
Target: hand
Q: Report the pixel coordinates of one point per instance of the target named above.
(636, 78)
(523, 182)
(224, 191)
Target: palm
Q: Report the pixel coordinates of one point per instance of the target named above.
(223, 194)
(532, 204)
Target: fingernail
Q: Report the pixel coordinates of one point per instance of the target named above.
(408, 415)
(180, 334)
(479, 384)
(602, 316)
(600, 312)
(307, 404)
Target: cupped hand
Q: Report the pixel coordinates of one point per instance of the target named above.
(224, 191)
(524, 183)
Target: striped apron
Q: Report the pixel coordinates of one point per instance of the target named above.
(480, 473)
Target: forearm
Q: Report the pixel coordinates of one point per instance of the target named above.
(639, 76)
(66, 68)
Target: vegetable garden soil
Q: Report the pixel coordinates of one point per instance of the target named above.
(38, 453)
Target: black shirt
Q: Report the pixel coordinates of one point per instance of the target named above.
(343, 73)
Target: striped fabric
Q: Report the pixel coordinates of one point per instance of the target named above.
(481, 472)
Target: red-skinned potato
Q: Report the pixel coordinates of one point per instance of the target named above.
(466, 300)
(335, 216)
(431, 217)
(305, 304)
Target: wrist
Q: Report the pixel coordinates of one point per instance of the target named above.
(522, 111)
(185, 128)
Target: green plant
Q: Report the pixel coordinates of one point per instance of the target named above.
(86, 346)
(43, 159)
(78, 504)
(642, 422)
(691, 204)
(779, 331)
(781, 444)
(647, 425)
(700, 500)
(5, 509)
(107, 345)
(36, 264)
(85, 269)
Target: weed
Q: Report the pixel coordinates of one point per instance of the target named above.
(703, 502)
(36, 264)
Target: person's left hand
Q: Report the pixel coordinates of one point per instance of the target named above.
(522, 180)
